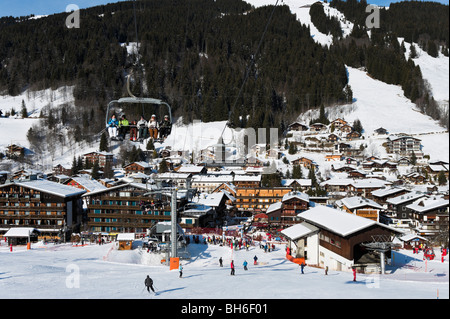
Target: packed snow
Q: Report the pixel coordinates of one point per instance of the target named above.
(50, 271)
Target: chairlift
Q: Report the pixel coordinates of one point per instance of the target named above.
(135, 107)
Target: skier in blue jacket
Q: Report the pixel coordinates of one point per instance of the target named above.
(112, 127)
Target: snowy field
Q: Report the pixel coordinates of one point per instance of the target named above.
(97, 272)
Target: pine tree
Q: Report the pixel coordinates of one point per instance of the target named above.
(74, 168)
(297, 172)
(95, 170)
(24, 110)
(442, 180)
(163, 168)
(103, 143)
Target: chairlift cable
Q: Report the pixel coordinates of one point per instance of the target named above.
(252, 61)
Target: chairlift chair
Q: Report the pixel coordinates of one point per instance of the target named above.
(117, 106)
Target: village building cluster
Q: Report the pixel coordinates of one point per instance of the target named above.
(326, 196)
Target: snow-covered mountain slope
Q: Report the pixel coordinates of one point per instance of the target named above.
(434, 70)
(377, 104)
(13, 130)
(301, 9)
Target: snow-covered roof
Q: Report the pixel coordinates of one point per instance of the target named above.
(370, 183)
(125, 236)
(190, 169)
(169, 175)
(212, 179)
(299, 230)
(19, 232)
(425, 204)
(141, 163)
(89, 184)
(53, 188)
(409, 237)
(405, 198)
(212, 200)
(273, 207)
(357, 201)
(387, 191)
(247, 178)
(301, 181)
(336, 221)
(298, 195)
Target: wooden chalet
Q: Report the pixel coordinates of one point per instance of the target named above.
(247, 181)
(357, 174)
(382, 195)
(318, 127)
(15, 151)
(338, 123)
(299, 127)
(124, 208)
(361, 206)
(103, 158)
(333, 138)
(304, 161)
(353, 135)
(333, 157)
(430, 215)
(346, 129)
(258, 199)
(381, 131)
(284, 213)
(138, 167)
(335, 239)
(62, 170)
(47, 206)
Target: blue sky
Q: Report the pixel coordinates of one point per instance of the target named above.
(17, 8)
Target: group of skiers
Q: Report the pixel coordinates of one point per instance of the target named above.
(140, 130)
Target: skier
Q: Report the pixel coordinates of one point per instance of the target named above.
(149, 283)
(165, 128)
(153, 127)
(142, 128)
(354, 273)
(124, 127)
(112, 127)
(255, 259)
(245, 265)
(181, 270)
(326, 270)
(302, 266)
(220, 262)
(232, 267)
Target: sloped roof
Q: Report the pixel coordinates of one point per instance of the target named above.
(20, 232)
(298, 195)
(299, 230)
(53, 188)
(357, 201)
(336, 221)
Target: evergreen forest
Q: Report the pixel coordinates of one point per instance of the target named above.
(215, 60)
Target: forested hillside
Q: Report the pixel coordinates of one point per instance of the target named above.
(196, 54)
(425, 23)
